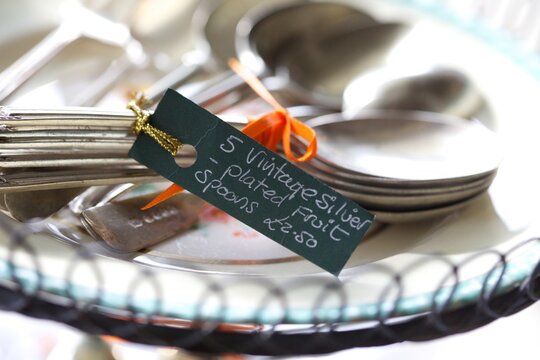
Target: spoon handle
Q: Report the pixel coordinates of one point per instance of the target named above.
(26, 66)
(86, 118)
(77, 180)
(222, 85)
(102, 85)
(171, 80)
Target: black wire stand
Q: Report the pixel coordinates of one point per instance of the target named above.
(285, 338)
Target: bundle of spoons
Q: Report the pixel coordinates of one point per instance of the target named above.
(403, 165)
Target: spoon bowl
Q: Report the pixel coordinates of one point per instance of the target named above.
(319, 69)
(267, 33)
(407, 146)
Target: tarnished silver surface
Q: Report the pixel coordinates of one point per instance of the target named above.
(124, 227)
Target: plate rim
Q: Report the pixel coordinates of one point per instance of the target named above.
(515, 271)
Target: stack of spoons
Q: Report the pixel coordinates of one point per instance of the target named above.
(403, 165)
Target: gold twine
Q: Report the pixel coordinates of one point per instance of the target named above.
(141, 124)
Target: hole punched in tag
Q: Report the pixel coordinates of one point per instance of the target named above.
(189, 159)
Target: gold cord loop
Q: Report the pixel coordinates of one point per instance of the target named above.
(141, 124)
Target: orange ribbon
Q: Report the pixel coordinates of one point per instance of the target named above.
(269, 129)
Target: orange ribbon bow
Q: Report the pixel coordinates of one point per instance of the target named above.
(268, 129)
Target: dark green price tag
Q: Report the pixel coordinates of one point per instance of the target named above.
(255, 185)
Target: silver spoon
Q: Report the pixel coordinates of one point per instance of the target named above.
(267, 34)
(407, 146)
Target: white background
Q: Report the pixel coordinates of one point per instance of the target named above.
(515, 337)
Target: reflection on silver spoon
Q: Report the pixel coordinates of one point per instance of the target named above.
(437, 89)
(267, 34)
